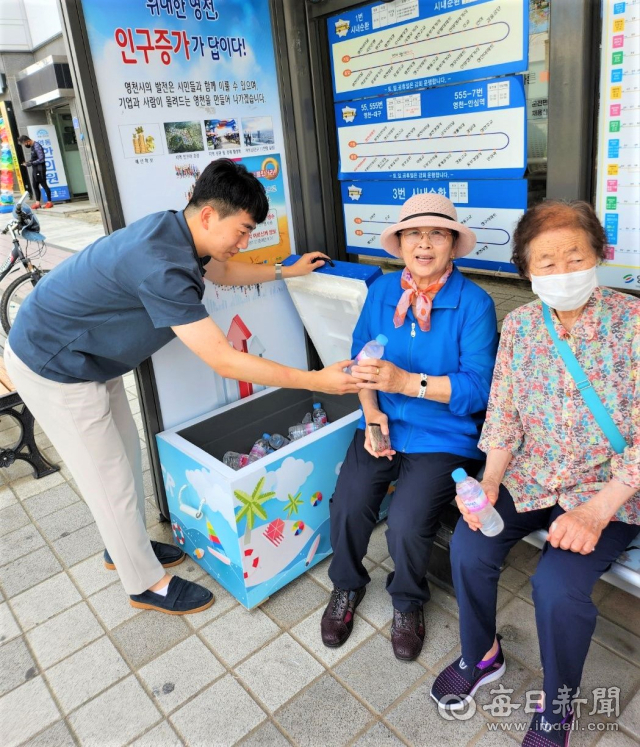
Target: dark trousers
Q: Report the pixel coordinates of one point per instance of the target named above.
(40, 180)
(424, 487)
(562, 586)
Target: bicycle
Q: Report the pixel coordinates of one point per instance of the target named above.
(25, 224)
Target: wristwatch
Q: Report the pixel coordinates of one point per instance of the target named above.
(423, 385)
(278, 271)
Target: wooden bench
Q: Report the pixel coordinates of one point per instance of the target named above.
(26, 448)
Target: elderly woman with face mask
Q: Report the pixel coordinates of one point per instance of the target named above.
(555, 460)
(428, 394)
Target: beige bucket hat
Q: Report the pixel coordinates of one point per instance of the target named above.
(432, 210)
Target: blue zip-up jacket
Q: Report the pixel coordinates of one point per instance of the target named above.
(461, 344)
(37, 154)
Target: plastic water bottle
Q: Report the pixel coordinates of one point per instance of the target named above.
(373, 349)
(319, 415)
(236, 461)
(473, 496)
(301, 430)
(308, 418)
(260, 448)
(277, 441)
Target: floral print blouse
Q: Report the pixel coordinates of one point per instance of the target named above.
(560, 455)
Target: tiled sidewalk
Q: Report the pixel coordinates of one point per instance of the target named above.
(78, 665)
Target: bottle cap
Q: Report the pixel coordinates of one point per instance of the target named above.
(382, 339)
(317, 405)
(266, 435)
(459, 474)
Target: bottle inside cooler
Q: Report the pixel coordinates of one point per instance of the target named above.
(235, 460)
(277, 441)
(301, 429)
(260, 448)
(319, 415)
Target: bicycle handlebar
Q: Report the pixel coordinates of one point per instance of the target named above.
(20, 218)
(19, 203)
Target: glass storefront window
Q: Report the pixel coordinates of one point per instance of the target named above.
(537, 89)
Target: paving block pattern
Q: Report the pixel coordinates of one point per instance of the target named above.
(80, 667)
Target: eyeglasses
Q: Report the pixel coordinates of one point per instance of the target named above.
(435, 236)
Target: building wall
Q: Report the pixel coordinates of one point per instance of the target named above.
(12, 63)
(31, 30)
(14, 27)
(53, 46)
(26, 25)
(43, 19)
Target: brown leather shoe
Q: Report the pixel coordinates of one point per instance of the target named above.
(407, 634)
(337, 621)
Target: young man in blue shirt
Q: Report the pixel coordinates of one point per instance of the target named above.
(106, 309)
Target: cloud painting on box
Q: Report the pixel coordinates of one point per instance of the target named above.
(257, 529)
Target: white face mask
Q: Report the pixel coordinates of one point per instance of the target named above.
(567, 291)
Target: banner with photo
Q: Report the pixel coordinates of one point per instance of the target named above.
(184, 83)
(181, 84)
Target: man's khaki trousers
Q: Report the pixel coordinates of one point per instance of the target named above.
(92, 428)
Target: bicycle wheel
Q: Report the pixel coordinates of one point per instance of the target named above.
(15, 295)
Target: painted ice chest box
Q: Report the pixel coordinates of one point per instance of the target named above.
(259, 528)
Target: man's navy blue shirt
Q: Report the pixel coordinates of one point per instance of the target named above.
(103, 311)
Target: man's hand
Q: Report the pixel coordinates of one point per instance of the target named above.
(333, 380)
(578, 530)
(305, 265)
(242, 273)
(207, 341)
(381, 375)
(491, 489)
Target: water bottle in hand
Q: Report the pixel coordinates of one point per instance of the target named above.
(319, 415)
(373, 349)
(236, 461)
(277, 441)
(301, 430)
(260, 448)
(473, 496)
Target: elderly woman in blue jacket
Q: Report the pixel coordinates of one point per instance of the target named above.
(428, 395)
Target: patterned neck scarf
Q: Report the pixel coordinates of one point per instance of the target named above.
(422, 297)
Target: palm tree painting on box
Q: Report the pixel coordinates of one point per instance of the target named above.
(252, 507)
(270, 543)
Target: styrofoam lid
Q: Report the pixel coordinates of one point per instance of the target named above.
(329, 301)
